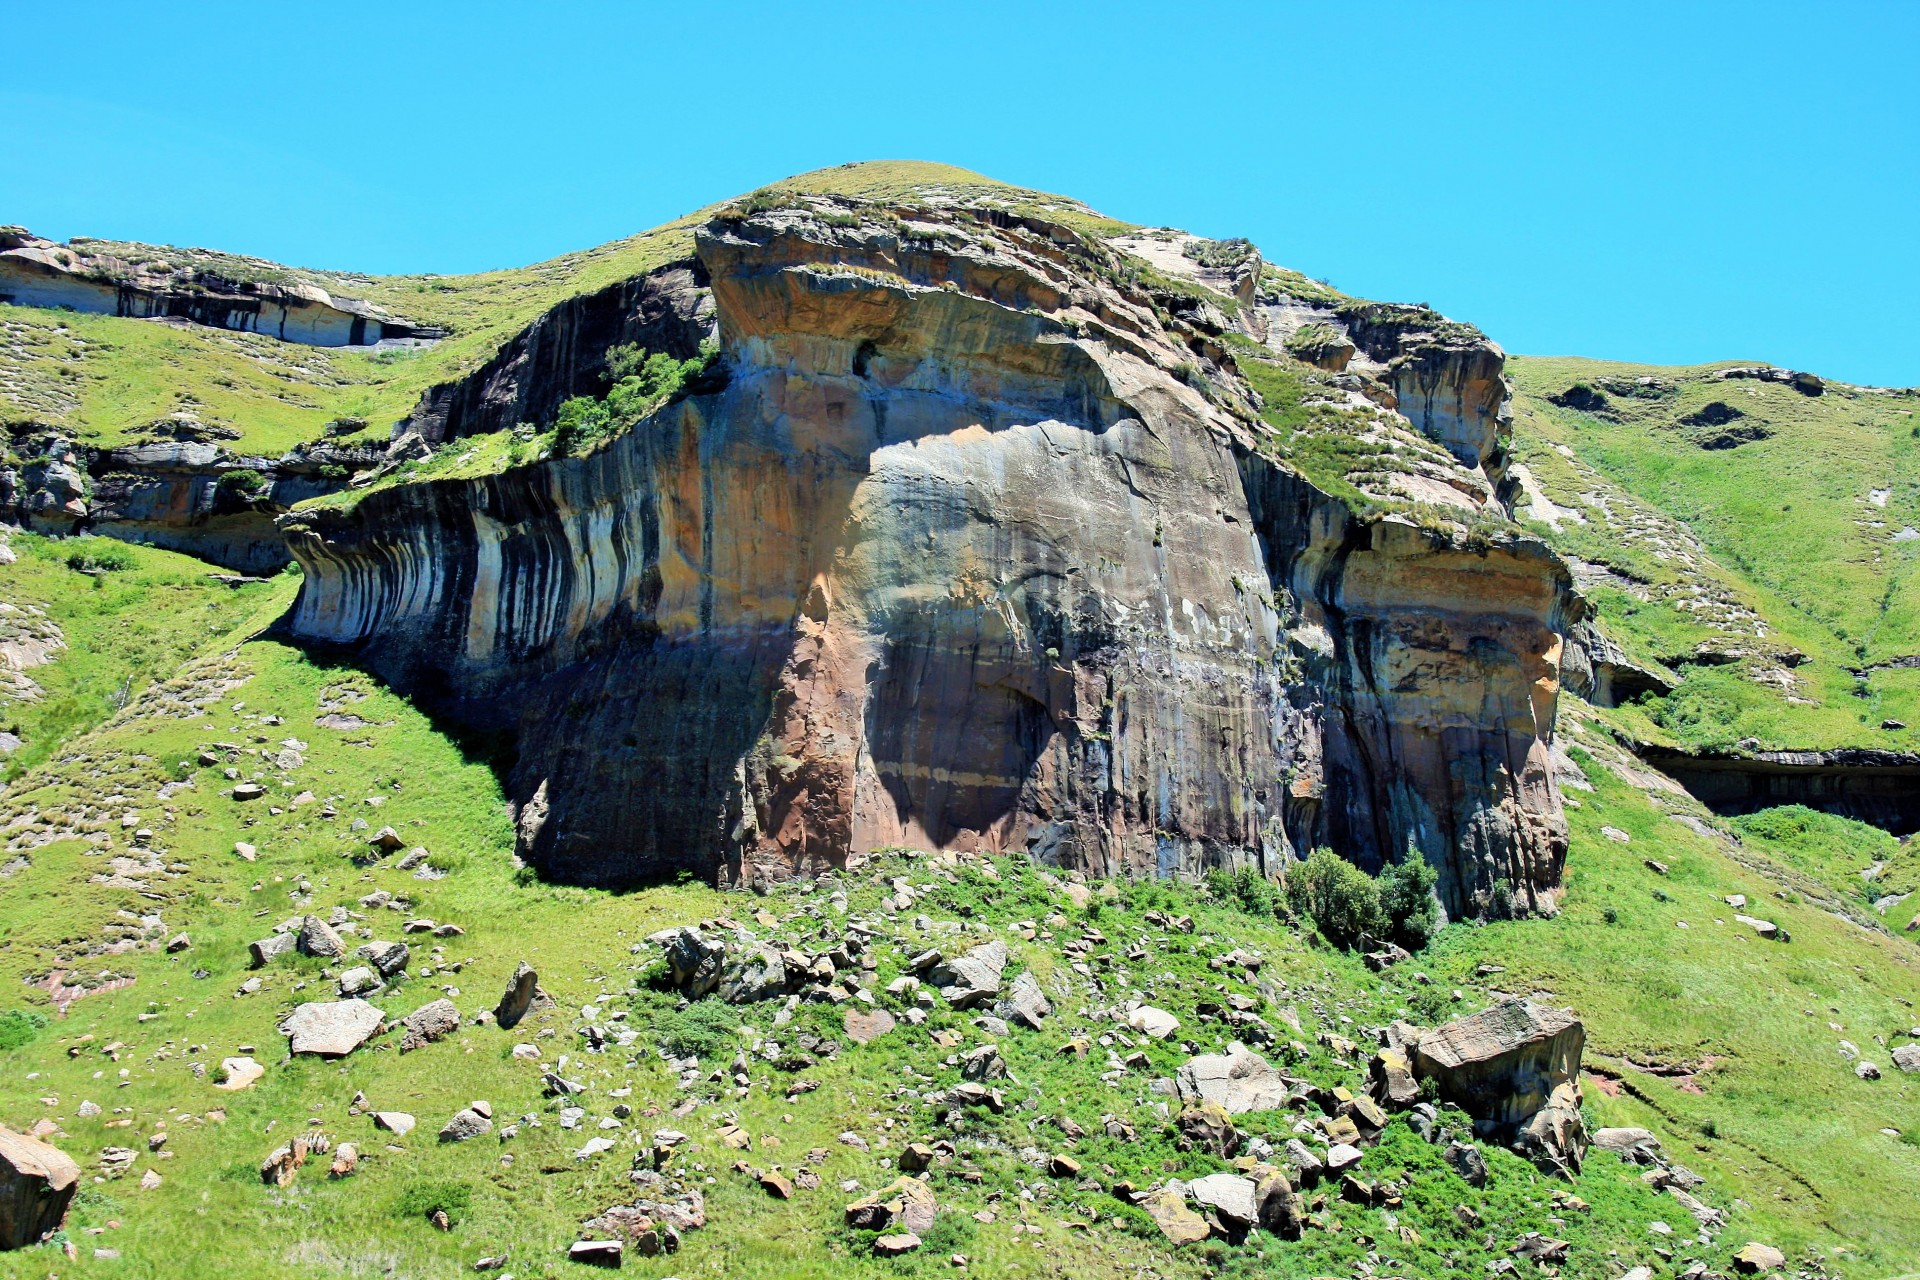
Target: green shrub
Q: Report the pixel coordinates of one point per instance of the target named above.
(241, 482)
(702, 1029)
(424, 1198)
(1245, 889)
(98, 555)
(18, 1027)
(1342, 900)
(1406, 896)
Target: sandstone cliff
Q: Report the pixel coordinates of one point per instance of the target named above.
(981, 545)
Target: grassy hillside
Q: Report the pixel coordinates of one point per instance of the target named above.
(1717, 1041)
(1763, 540)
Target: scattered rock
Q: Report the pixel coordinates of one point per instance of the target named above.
(1155, 1023)
(1753, 1258)
(236, 1074)
(522, 987)
(894, 1245)
(1507, 1065)
(1238, 1080)
(261, 953)
(1207, 1126)
(317, 938)
(466, 1124)
(1177, 1222)
(398, 1123)
(973, 978)
(597, 1253)
(1280, 1208)
(428, 1023)
(331, 1029)
(864, 1027)
(1468, 1163)
(905, 1203)
(1229, 1195)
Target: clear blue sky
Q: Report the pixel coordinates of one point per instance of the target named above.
(1671, 182)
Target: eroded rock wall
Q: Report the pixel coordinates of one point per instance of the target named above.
(955, 560)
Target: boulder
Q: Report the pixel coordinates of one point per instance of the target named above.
(1177, 1222)
(238, 1073)
(263, 952)
(1238, 1080)
(332, 1029)
(1280, 1208)
(1025, 1002)
(317, 938)
(864, 1027)
(1208, 1127)
(466, 1124)
(597, 1253)
(1506, 1065)
(1155, 1023)
(1555, 1136)
(1342, 1156)
(1467, 1162)
(1907, 1057)
(973, 978)
(37, 1183)
(428, 1023)
(522, 987)
(1753, 1258)
(1229, 1195)
(752, 973)
(387, 958)
(1390, 1078)
(398, 1123)
(358, 981)
(894, 1245)
(694, 959)
(905, 1204)
(1637, 1146)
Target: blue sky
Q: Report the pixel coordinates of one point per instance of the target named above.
(1671, 183)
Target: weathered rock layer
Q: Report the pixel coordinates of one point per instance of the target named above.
(973, 550)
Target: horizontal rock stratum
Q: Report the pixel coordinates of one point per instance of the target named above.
(973, 541)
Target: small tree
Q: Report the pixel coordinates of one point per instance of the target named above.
(1406, 896)
(1342, 900)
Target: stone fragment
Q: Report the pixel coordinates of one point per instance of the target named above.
(236, 1074)
(1176, 1220)
(893, 1246)
(317, 938)
(37, 1183)
(752, 973)
(1025, 1002)
(1504, 1066)
(331, 1029)
(597, 1253)
(905, 1203)
(466, 1125)
(1637, 1146)
(522, 987)
(1155, 1023)
(1229, 1195)
(972, 978)
(866, 1026)
(1468, 1163)
(388, 958)
(1238, 1080)
(1341, 1157)
(428, 1023)
(1753, 1258)
(398, 1123)
(1279, 1207)
(1907, 1057)
(269, 948)
(1207, 1126)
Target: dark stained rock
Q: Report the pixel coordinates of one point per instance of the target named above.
(519, 996)
(37, 1183)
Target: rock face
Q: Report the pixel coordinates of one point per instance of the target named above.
(37, 1182)
(959, 558)
(42, 273)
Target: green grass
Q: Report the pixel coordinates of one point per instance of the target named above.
(122, 628)
(1790, 525)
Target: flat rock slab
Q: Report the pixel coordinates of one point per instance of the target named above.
(239, 1073)
(1238, 1080)
(428, 1023)
(1228, 1194)
(1176, 1220)
(398, 1123)
(332, 1029)
(1149, 1021)
(865, 1028)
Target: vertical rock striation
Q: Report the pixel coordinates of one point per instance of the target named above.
(975, 550)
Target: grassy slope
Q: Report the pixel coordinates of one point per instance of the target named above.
(1652, 994)
(105, 379)
(1789, 523)
(123, 630)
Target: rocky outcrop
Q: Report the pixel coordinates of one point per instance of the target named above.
(82, 277)
(973, 550)
(1871, 785)
(1594, 667)
(564, 353)
(1515, 1068)
(186, 495)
